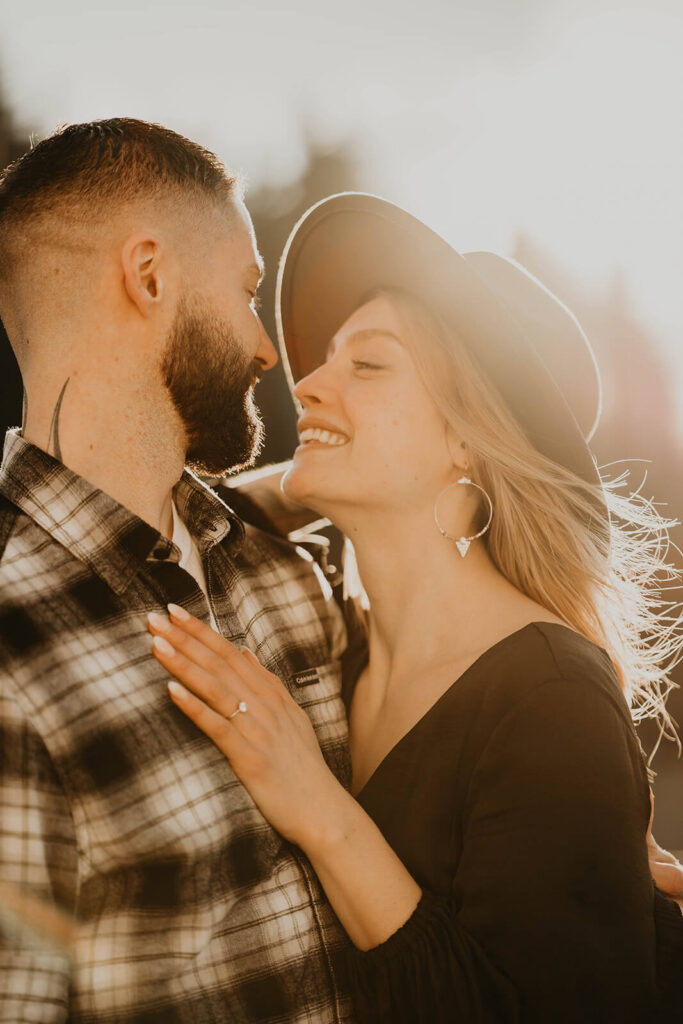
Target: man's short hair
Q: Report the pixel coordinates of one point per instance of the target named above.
(83, 170)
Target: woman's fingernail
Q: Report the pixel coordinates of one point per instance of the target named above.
(176, 689)
(178, 612)
(163, 646)
(159, 622)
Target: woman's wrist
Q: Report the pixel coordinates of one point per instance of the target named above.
(371, 891)
(331, 824)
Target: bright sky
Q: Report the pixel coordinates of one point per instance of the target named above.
(561, 117)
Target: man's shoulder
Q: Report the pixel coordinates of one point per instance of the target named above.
(31, 561)
(9, 514)
(297, 571)
(23, 564)
(297, 553)
(303, 555)
(21, 536)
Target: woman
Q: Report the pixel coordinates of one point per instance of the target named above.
(490, 865)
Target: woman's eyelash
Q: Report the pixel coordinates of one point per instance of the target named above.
(361, 364)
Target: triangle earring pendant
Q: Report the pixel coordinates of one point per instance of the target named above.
(463, 546)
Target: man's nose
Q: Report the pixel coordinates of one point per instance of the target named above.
(266, 354)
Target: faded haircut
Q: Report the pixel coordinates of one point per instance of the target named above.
(81, 172)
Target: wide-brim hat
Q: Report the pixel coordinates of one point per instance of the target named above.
(528, 343)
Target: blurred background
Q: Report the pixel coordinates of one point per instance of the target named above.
(547, 130)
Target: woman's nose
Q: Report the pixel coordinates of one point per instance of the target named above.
(311, 388)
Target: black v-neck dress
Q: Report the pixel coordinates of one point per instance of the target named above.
(520, 803)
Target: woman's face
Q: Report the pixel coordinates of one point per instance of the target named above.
(370, 435)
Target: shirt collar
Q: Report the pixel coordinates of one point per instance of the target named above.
(95, 528)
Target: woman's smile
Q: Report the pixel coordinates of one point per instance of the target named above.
(316, 434)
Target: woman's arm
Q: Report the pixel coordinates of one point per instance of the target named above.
(551, 893)
(553, 879)
(666, 870)
(262, 486)
(370, 890)
(273, 750)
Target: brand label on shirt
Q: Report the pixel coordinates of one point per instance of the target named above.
(307, 677)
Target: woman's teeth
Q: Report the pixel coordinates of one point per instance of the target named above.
(323, 436)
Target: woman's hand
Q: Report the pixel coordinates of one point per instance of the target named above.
(271, 745)
(666, 870)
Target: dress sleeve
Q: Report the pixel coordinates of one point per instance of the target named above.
(554, 878)
(551, 911)
(429, 972)
(669, 926)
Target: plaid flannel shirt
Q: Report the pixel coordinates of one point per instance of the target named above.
(190, 907)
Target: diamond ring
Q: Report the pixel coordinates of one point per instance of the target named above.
(242, 706)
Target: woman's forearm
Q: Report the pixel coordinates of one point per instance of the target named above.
(274, 751)
(371, 891)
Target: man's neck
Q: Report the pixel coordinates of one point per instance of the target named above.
(123, 443)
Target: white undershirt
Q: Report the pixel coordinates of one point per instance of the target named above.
(189, 557)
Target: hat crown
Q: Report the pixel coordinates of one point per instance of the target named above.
(553, 330)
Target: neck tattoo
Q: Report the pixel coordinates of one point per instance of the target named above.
(53, 445)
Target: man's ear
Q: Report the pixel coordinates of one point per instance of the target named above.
(457, 450)
(141, 258)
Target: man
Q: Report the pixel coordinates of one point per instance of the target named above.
(128, 276)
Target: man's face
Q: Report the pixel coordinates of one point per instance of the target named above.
(217, 349)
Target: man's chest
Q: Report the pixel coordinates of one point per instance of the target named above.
(141, 780)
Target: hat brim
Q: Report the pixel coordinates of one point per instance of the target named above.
(351, 244)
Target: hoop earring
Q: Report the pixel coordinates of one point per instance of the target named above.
(463, 543)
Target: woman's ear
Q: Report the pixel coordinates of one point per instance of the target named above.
(141, 259)
(457, 450)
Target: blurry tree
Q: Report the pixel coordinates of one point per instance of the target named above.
(638, 431)
(12, 144)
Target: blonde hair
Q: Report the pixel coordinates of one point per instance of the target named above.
(550, 535)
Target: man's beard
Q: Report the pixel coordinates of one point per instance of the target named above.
(210, 381)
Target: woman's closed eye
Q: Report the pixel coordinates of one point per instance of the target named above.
(363, 364)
